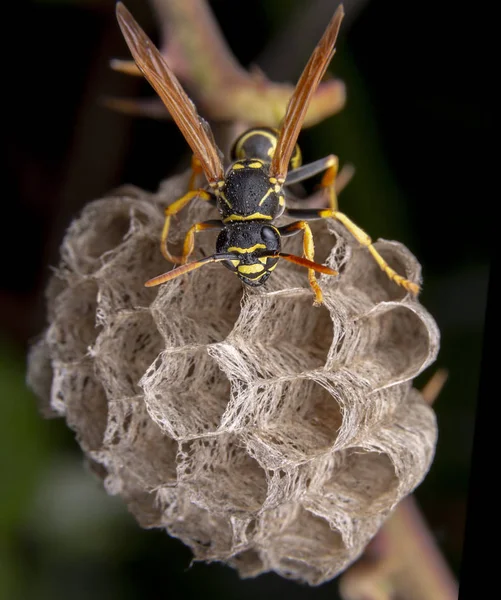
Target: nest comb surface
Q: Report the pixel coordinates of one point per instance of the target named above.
(262, 431)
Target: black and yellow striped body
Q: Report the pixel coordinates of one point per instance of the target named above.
(248, 200)
(248, 193)
(250, 241)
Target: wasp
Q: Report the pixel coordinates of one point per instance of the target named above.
(250, 194)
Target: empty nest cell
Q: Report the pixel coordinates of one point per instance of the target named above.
(74, 328)
(364, 484)
(306, 548)
(122, 278)
(78, 394)
(101, 227)
(186, 392)
(221, 475)
(136, 447)
(296, 420)
(209, 302)
(125, 350)
(208, 535)
(398, 343)
(283, 335)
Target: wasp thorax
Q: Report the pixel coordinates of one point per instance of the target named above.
(254, 246)
(250, 193)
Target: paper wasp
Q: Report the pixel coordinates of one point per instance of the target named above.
(250, 193)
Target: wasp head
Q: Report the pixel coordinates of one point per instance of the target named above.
(255, 246)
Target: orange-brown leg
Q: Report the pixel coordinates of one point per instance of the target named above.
(360, 235)
(329, 182)
(332, 181)
(189, 240)
(172, 210)
(309, 252)
(196, 170)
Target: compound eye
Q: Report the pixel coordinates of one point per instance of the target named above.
(222, 241)
(269, 235)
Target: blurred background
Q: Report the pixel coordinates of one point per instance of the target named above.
(415, 126)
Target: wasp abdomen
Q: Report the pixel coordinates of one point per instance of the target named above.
(261, 143)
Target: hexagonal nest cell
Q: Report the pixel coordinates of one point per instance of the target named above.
(262, 431)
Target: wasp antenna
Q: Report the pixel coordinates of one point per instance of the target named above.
(187, 268)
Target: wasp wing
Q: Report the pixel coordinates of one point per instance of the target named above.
(154, 67)
(300, 100)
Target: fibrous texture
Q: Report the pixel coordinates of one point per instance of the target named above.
(262, 431)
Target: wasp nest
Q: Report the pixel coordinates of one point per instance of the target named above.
(260, 430)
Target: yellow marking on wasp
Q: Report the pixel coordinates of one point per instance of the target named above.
(238, 166)
(272, 138)
(235, 263)
(245, 250)
(265, 196)
(260, 275)
(271, 267)
(263, 259)
(255, 165)
(281, 200)
(296, 159)
(256, 268)
(277, 188)
(221, 194)
(251, 217)
(220, 184)
(273, 180)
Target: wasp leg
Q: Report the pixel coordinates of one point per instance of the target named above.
(332, 181)
(172, 210)
(196, 170)
(361, 237)
(312, 267)
(189, 267)
(311, 169)
(309, 252)
(328, 183)
(189, 240)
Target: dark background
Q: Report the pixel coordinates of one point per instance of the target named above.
(417, 123)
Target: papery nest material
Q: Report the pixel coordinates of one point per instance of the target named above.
(261, 431)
